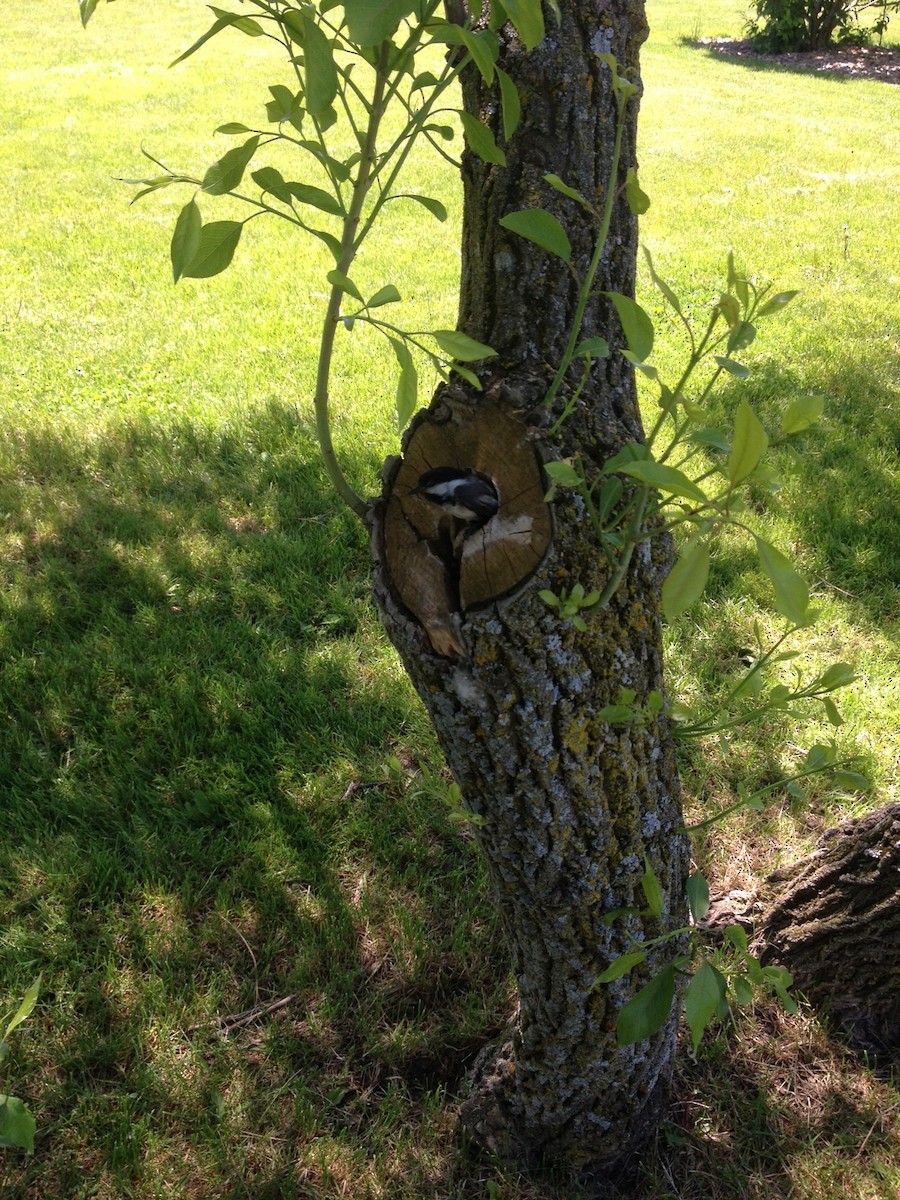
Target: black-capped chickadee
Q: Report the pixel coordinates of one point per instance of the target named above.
(468, 495)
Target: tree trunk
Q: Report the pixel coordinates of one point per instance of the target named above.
(833, 920)
(568, 809)
(824, 20)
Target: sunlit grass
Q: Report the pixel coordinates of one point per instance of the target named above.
(199, 706)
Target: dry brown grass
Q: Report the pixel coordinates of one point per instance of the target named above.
(776, 1108)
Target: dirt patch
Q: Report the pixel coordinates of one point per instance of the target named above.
(858, 62)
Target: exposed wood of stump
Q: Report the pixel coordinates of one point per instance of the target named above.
(437, 568)
(833, 920)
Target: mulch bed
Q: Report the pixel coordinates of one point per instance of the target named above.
(858, 62)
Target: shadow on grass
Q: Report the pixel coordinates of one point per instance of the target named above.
(774, 1108)
(191, 676)
(841, 493)
(839, 64)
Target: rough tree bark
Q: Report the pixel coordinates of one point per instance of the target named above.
(833, 919)
(569, 808)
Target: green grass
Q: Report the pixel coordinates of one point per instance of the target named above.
(198, 703)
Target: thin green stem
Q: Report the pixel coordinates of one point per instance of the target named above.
(587, 286)
(333, 310)
(697, 354)
(406, 135)
(632, 537)
(770, 787)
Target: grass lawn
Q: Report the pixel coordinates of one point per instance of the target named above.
(268, 951)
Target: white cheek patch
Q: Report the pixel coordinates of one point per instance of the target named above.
(438, 490)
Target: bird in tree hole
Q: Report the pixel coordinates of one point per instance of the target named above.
(467, 495)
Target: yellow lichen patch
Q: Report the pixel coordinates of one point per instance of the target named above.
(576, 738)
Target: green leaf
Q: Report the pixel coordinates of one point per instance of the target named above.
(791, 589)
(749, 443)
(152, 185)
(511, 106)
(645, 368)
(646, 1013)
(407, 384)
(87, 9)
(562, 473)
(218, 242)
(743, 992)
(636, 325)
(305, 193)
(480, 140)
(346, 284)
(737, 283)
(233, 127)
(593, 347)
(698, 895)
(17, 1125)
(661, 283)
(497, 17)
(832, 712)
(225, 175)
(540, 227)
(777, 303)
(730, 308)
(319, 69)
(469, 376)
(483, 48)
(638, 200)
(686, 581)
(666, 479)
(714, 438)
(703, 996)
(838, 675)
(326, 118)
(460, 346)
(621, 966)
(630, 452)
(186, 238)
(610, 494)
(434, 206)
(616, 714)
(819, 757)
(271, 180)
(851, 781)
(738, 937)
(284, 106)
(424, 80)
(245, 24)
(652, 889)
(447, 132)
(372, 21)
(563, 188)
(613, 915)
(777, 977)
(738, 370)
(386, 295)
(26, 1008)
(801, 414)
(337, 250)
(528, 19)
(741, 336)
